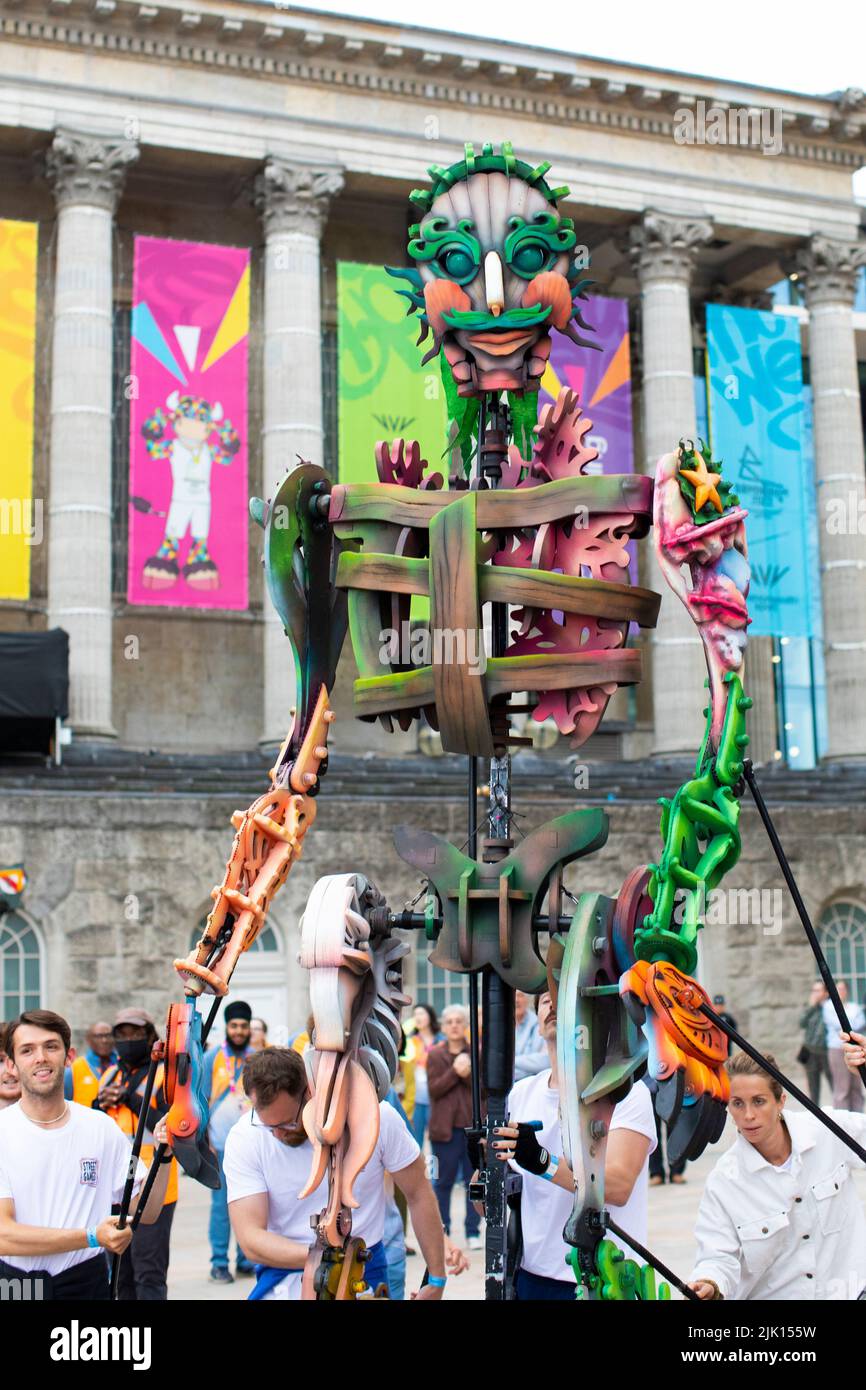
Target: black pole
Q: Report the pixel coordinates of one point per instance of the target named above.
(472, 808)
(497, 1071)
(209, 1021)
(820, 958)
(784, 1081)
(651, 1259)
(497, 998)
(133, 1164)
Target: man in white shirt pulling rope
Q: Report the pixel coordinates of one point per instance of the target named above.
(62, 1165)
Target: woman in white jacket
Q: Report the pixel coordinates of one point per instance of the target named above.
(780, 1218)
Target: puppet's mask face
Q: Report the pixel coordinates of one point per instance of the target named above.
(494, 258)
(495, 271)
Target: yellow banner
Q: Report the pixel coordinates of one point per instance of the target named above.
(20, 526)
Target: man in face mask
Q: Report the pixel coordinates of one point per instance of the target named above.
(223, 1084)
(144, 1268)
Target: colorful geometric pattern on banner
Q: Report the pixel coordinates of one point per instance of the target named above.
(188, 519)
(379, 364)
(602, 381)
(756, 408)
(21, 520)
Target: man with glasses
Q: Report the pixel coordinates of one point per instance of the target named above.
(267, 1163)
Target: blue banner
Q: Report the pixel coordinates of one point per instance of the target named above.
(756, 409)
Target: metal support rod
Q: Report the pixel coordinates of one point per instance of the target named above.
(820, 958)
(783, 1080)
(497, 1042)
(477, 1130)
(651, 1259)
(418, 921)
(133, 1163)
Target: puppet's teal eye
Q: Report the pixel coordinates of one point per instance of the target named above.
(529, 258)
(457, 264)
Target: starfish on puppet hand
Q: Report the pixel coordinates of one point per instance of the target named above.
(704, 484)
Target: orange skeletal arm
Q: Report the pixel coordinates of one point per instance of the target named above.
(268, 840)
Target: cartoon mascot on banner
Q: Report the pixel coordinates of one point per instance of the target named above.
(193, 421)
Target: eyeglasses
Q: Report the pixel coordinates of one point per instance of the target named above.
(286, 1126)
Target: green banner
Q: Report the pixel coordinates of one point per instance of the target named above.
(383, 391)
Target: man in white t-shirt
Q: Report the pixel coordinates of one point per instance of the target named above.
(546, 1202)
(267, 1163)
(62, 1166)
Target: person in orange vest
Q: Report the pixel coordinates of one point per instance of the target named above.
(223, 1085)
(91, 1066)
(144, 1266)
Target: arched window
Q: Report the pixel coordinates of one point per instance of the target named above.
(261, 980)
(265, 941)
(842, 933)
(20, 966)
(436, 987)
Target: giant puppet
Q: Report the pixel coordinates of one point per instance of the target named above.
(518, 526)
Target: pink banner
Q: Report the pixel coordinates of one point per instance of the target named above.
(188, 519)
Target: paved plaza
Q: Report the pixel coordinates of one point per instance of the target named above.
(672, 1212)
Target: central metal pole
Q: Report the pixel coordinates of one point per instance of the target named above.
(497, 998)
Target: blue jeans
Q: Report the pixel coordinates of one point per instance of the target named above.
(219, 1229)
(454, 1161)
(538, 1286)
(395, 1251)
(419, 1122)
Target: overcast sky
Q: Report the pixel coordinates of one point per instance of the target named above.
(796, 46)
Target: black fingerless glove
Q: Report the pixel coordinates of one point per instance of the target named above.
(528, 1153)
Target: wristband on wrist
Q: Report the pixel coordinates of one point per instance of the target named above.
(167, 1157)
(550, 1171)
(437, 1281)
(91, 1238)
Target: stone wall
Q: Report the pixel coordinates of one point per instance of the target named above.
(94, 858)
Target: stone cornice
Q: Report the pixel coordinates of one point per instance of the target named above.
(89, 169)
(272, 42)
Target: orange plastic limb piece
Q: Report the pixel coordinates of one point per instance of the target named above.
(268, 840)
(684, 1039)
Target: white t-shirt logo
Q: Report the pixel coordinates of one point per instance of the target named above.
(89, 1171)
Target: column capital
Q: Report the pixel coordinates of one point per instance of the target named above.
(664, 246)
(828, 269)
(88, 169)
(295, 197)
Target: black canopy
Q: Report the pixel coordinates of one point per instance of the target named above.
(34, 674)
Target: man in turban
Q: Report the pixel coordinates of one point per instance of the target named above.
(223, 1082)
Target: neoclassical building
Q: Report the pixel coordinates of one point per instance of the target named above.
(298, 136)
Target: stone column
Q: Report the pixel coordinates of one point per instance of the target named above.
(828, 273)
(759, 678)
(663, 250)
(293, 201)
(87, 174)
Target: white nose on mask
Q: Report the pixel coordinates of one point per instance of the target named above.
(494, 288)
